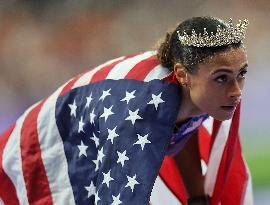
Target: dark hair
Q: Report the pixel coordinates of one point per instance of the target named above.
(170, 51)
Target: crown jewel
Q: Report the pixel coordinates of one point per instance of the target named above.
(223, 36)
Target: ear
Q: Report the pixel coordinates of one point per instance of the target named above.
(180, 73)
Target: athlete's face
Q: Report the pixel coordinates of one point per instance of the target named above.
(216, 87)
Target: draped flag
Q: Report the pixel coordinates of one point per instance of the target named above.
(227, 178)
(101, 139)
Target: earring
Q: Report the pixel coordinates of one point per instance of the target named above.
(184, 84)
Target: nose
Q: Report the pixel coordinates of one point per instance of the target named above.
(235, 91)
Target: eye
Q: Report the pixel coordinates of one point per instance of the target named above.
(243, 74)
(221, 79)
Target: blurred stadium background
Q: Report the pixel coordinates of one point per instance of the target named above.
(44, 43)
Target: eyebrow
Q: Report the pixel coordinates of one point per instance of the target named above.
(228, 70)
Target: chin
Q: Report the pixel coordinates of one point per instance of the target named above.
(221, 116)
(224, 117)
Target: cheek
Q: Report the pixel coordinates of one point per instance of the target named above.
(207, 96)
(200, 95)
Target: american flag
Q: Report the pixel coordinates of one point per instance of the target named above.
(227, 177)
(101, 139)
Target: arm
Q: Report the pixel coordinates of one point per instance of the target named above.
(189, 165)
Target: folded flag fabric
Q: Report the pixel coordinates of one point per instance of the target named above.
(101, 139)
(227, 177)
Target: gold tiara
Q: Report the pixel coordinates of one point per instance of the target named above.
(223, 36)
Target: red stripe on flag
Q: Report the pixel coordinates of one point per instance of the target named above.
(103, 72)
(7, 189)
(171, 177)
(204, 143)
(141, 70)
(171, 78)
(226, 160)
(237, 179)
(71, 83)
(36, 181)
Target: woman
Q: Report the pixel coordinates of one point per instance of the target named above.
(101, 137)
(212, 77)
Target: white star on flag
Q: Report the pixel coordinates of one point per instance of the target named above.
(116, 200)
(107, 112)
(142, 140)
(156, 100)
(129, 96)
(105, 93)
(73, 108)
(107, 178)
(122, 157)
(92, 116)
(96, 198)
(91, 189)
(96, 162)
(112, 134)
(88, 100)
(81, 124)
(132, 182)
(100, 155)
(95, 139)
(82, 147)
(133, 116)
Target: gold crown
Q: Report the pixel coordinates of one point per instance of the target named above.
(223, 36)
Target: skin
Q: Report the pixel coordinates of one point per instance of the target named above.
(217, 82)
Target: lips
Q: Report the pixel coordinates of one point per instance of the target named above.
(229, 108)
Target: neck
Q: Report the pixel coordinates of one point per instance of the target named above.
(187, 108)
